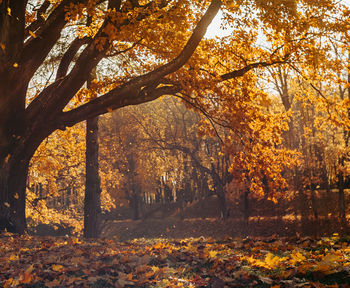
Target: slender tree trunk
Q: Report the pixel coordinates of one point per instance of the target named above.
(136, 201)
(180, 200)
(222, 201)
(92, 201)
(246, 207)
(314, 204)
(92, 204)
(341, 196)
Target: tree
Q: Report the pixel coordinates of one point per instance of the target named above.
(22, 127)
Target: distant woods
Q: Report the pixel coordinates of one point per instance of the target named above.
(155, 162)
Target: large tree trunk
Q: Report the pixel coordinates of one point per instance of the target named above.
(13, 176)
(16, 150)
(12, 196)
(92, 203)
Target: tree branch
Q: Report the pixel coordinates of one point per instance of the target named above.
(54, 98)
(104, 104)
(36, 49)
(132, 92)
(242, 71)
(69, 55)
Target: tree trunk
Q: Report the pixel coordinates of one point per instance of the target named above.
(246, 207)
(222, 201)
(92, 203)
(341, 196)
(135, 204)
(13, 176)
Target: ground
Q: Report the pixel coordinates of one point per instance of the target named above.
(32, 261)
(219, 229)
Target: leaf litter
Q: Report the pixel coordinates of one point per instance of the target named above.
(28, 261)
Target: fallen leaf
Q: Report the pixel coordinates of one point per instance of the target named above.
(57, 268)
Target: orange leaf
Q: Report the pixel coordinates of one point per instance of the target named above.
(56, 267)
(27, 276)
(9, 281)
(32, 33)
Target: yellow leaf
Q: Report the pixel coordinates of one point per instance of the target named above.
(16, 196)
(13, 257)
(155, 269)
(56, 267)
(32, 33)
(8, 282)
(329, 263)
(15, 65)
(7, 158)
(7, 204)
(332, 257)
(212, 253)
(9, 11)
(296, 257)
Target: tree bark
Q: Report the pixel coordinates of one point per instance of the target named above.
(341, 196)
(12, 205)
(92, 203)
(13, 176)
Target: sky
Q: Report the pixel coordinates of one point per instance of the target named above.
(214, 28)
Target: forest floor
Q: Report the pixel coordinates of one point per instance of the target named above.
(167, 223)
(173, 227)
(194, 252)
(33, 261)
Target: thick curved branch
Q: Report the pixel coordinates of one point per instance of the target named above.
(104, 104)
(131, 93)
(54, 98)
